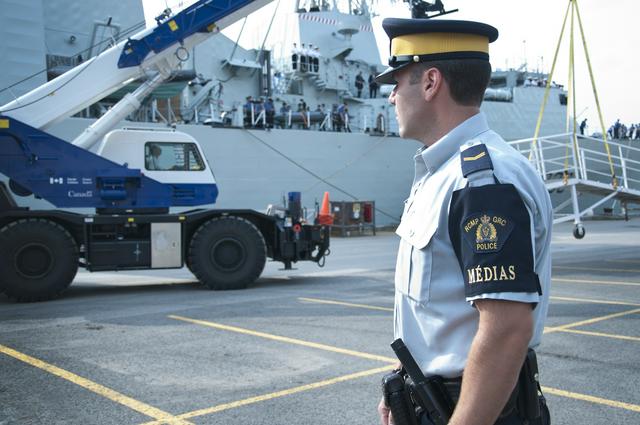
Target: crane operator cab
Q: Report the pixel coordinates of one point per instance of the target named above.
(167, 156)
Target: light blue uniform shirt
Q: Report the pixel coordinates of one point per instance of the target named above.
(432, 315)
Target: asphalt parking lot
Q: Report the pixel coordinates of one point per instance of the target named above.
(307, 346)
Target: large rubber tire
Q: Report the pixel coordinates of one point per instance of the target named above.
(38, 259)
(227, 253)
(187, 262)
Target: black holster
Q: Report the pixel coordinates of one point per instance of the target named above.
(409, 402)
(529, 393)
(397, 396)
(432, 399)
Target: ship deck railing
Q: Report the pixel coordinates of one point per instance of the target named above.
(583, 166)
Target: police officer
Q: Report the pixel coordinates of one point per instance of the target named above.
(474, 265)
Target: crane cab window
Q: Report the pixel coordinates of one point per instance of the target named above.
(164, 156)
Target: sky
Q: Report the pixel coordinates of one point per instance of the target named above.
(530, 30)
(529, 33)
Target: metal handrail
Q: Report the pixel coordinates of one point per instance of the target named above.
(557, 153)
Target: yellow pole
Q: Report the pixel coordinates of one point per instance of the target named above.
(548, 88)
(571, 100)
(614, 180)
(570, 85)
(573, 88)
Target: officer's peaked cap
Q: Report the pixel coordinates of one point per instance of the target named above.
(422, 40)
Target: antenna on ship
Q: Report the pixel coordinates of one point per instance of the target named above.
(420, 9)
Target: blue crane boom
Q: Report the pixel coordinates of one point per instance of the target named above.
(200, 17)
(70, 176)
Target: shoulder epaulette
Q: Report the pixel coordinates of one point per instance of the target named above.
(474, 159)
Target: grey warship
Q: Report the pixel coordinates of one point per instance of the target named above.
(328, 129)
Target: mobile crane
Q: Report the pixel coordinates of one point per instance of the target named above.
(131, 180)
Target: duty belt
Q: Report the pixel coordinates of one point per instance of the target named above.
(453, 386)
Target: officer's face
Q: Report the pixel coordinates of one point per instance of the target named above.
(411, 108)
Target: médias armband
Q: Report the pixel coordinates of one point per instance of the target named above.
(490, 232)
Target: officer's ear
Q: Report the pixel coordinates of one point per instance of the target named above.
(432, 83)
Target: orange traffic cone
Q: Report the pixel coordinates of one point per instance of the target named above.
(325, 216)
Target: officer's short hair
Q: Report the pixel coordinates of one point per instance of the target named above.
(467, 79)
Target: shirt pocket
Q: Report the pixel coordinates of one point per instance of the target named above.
(415, 261)
(418, 228)
(420, 280)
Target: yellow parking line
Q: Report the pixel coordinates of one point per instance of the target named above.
(368, 307)
(564, 328)
(590, 321)
(270, 396)
(596, 282)
(597, 269)
(286, 339)
(373, 307)
(604, 335)
(145, 409)
(588, 300)
(592, 399)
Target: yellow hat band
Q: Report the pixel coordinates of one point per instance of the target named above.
(434, 43)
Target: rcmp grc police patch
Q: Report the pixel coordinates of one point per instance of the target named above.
(490, 233)
(487, 231)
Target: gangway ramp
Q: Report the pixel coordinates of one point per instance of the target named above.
(583, 167)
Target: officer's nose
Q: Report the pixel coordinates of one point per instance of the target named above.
(392, 95)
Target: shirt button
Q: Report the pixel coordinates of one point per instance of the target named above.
(411, 233)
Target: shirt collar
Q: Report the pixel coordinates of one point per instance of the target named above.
(436, 155)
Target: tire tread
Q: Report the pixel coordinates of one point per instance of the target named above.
(250, 273)
(56, 288)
